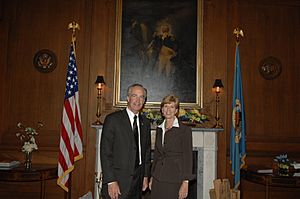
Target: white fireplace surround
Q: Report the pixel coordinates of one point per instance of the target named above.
(204, 142)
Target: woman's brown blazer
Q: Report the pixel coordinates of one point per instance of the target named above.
(173, 161)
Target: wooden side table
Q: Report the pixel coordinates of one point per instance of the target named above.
(38, 173)
(270, 179)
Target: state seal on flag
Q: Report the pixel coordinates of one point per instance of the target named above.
(237, 116)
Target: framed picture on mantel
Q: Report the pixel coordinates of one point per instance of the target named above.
(159, 45)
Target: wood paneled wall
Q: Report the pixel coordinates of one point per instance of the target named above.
(30, 96)
(271, 28)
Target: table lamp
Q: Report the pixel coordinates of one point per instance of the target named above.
(100, 84)
(217, 87)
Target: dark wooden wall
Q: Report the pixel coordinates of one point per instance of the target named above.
(271, 28)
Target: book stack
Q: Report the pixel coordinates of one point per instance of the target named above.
(8, 164)
(222, 190)
(296, 169)
(296, 165)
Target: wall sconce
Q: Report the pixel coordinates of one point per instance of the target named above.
(217, 89)
(99, 83)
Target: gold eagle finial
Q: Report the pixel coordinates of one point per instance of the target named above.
(73, 25)
(238, 34)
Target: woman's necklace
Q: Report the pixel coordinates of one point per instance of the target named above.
(168, 127)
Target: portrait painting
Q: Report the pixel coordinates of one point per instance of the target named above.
(159, 45)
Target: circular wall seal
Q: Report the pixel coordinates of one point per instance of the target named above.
(270, 68)
(44, 61)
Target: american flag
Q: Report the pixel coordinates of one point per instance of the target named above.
(70, 147)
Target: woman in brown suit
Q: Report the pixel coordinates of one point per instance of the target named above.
(172, 164)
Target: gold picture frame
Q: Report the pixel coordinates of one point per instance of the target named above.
(159, 44)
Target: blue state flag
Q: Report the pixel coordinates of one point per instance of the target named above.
(238, 129)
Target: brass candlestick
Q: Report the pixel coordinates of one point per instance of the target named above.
(217, 89)
(100, 83)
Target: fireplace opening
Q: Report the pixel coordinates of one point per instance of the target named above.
(193, 183)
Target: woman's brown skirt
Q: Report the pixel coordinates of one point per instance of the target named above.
(163, 190)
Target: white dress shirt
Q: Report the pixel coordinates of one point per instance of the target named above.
(163, 127)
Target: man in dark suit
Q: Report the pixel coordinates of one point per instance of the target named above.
(125, 149)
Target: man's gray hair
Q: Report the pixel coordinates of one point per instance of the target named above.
(136, 85)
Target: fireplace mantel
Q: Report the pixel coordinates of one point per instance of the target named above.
(204, 142)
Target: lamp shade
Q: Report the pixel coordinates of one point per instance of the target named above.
(217, 86)
(218, 83)
(100, 80)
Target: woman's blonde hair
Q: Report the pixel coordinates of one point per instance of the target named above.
(168, 99)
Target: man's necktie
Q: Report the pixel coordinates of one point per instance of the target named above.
(136, 138)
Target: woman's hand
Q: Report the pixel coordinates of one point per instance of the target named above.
(150, 183)
(145, 184)
(183, 191)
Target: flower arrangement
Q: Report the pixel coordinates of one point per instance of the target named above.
(282, 159)
(154, 116)
(283, 163)
(26, 135)
(190, 116)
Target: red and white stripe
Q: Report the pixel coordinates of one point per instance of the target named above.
(70, 148)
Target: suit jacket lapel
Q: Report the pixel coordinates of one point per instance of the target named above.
(127, 125)
(159, 138)
(142, 127)
(143, 131)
